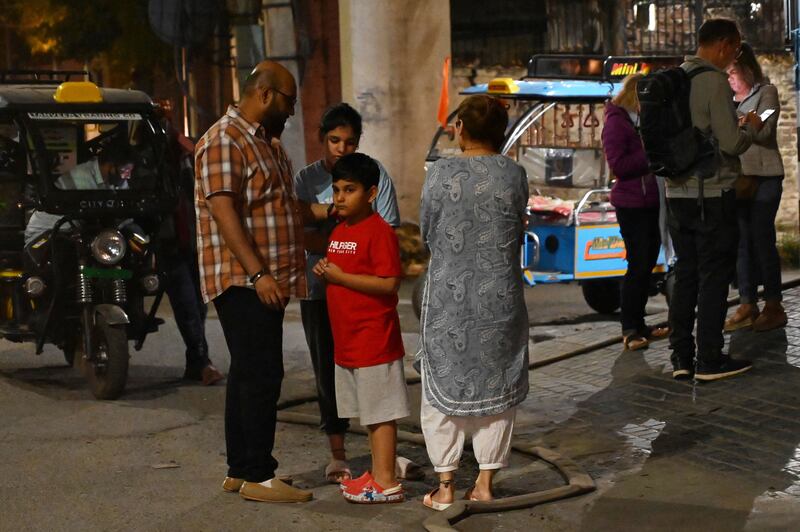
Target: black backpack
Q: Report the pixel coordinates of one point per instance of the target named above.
(673, 145)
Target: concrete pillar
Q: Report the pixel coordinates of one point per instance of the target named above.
(391, 59)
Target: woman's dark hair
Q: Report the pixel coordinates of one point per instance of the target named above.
(718, 29)
(748, 65)
(485, 119)
(358, 168)
(340, 115)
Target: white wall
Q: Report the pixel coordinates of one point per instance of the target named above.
(391, 56)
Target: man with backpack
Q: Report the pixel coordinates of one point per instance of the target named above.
(700, 160)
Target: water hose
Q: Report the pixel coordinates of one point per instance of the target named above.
(578, 481)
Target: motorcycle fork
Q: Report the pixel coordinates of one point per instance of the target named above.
(84, 297)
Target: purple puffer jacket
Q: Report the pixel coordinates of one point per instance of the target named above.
(635, 187)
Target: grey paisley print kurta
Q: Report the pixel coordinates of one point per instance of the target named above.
(474, 323)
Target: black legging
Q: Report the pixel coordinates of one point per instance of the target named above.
(640, 230)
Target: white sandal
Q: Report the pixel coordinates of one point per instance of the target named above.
(337, 468)
(405, 469)
(433, 505)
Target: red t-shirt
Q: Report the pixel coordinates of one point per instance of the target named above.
(366, 328)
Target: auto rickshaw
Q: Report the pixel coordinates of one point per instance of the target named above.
(555, 127)
(84, 187)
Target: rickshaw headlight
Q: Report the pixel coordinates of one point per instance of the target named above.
(108, 247)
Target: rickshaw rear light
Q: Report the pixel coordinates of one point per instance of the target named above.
(109, 247)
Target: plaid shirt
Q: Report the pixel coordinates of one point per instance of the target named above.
(235, 156)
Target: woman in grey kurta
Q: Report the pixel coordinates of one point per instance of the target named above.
(474, 323)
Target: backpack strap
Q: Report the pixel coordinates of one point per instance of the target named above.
(699, 70)
(700, 195)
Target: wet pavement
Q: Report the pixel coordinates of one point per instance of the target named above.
(671, 455)
(666, 455)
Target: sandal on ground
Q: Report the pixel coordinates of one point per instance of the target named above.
(469, 497)
(353, 482)
(372, 493)
(406, 469)
(634, 342)
(434, 505)
(658, 333)
(337, 471)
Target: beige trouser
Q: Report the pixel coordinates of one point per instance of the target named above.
(445, 435)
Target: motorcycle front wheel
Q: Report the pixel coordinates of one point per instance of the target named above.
(107, 371)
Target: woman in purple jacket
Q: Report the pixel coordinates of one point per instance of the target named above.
(635, 197)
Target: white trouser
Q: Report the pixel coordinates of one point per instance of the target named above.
(444, 437)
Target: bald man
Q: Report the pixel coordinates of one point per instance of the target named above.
(251, 256)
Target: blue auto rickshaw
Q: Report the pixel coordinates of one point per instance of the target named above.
(556, 121)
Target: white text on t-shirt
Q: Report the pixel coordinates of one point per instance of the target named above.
(348, 248)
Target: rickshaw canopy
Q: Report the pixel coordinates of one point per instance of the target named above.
(549, 90)
(572, 78)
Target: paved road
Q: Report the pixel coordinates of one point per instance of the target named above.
(665, 455)
(103, 464)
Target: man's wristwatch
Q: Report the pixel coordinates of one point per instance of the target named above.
(256, 276)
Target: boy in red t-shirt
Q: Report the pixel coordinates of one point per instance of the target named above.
(363, 272)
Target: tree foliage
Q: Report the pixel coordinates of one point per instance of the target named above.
(116, 31)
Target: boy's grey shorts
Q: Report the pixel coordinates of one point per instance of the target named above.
(375, 394)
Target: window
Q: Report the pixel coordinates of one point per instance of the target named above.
(87, 153)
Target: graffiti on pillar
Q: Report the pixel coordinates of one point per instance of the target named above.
(369, 105)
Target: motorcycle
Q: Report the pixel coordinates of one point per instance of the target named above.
(92, 177)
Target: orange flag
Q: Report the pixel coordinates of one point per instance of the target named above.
(444, 96)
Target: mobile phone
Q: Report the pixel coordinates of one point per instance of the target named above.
(766, 114)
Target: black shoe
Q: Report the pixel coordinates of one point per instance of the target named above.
(721, 368)
(683, 369)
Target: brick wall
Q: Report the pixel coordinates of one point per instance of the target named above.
(780, 69)
(322, 83)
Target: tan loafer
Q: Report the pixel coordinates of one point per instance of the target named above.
(744, 317)
(232, 484)
(278, 492)
(772, 317)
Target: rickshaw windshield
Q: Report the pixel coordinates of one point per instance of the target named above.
(559, 145)
(98, 151)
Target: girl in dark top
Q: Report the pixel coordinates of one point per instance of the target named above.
(635, 197)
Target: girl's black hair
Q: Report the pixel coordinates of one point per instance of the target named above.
(340, 115)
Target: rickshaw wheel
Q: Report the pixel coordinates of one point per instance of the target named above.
(416, 295)
(107, 376)
(602, 295)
